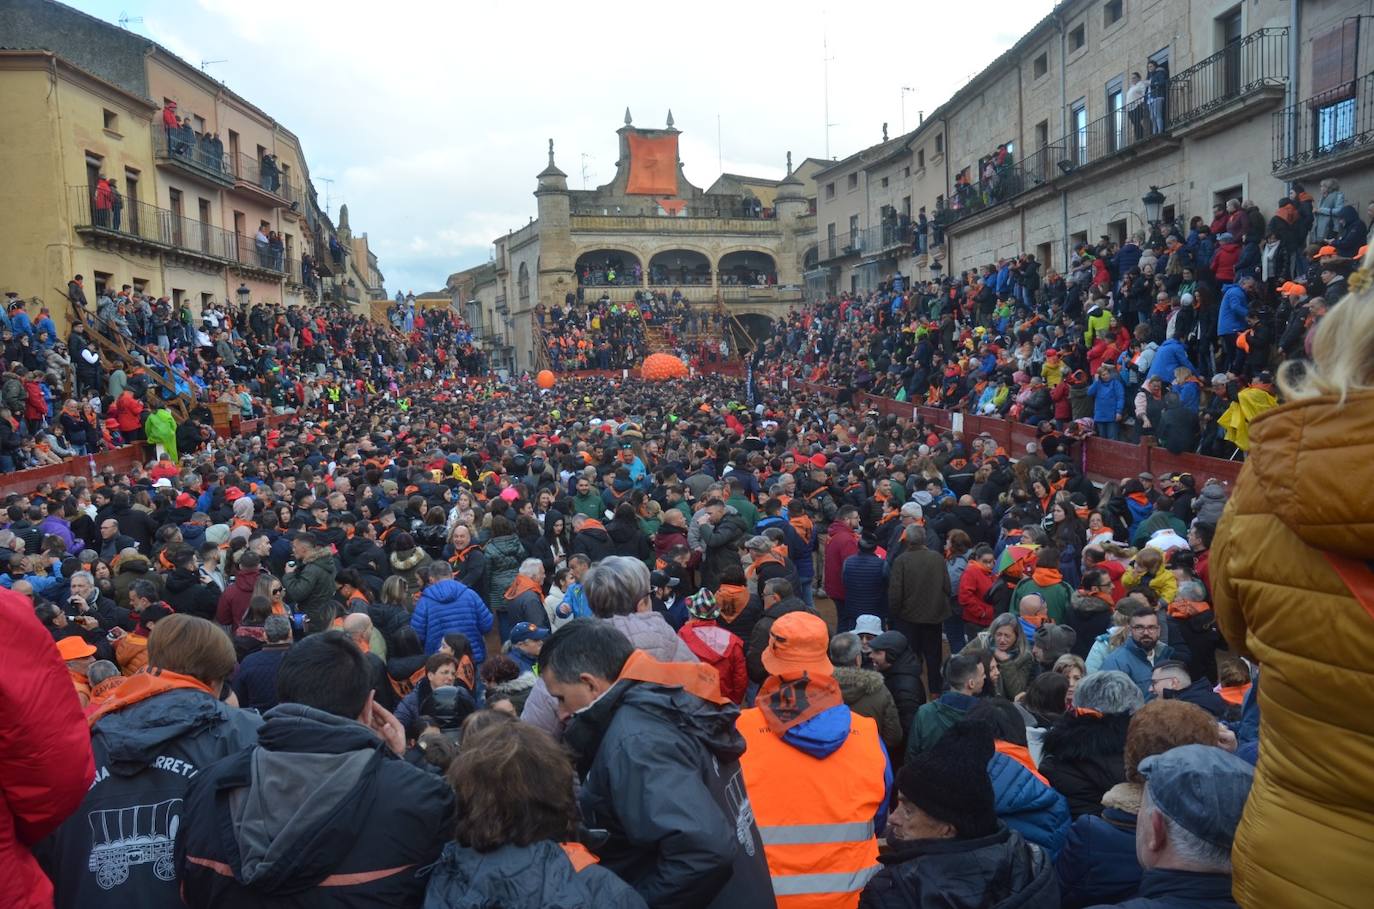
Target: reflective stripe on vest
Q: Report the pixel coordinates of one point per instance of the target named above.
(838, 882)
(815, 815)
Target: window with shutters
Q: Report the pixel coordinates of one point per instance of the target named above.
(1334, 56)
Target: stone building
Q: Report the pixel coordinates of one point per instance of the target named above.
(649, 228)
(1258, 93)
(82, 99)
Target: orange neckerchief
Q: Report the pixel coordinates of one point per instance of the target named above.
(580, 856)
(1139, 498)
(1186, 609)
(467, 672)
(458, 557)
(1099, 595)
(757, 565)
(520, 585)
(793, 698)
(731, 598)
(700, 679)
(1021, 755)
(1036, 620)
(592, 523)
(1234, 694)
(1047, 577)
(143, 685)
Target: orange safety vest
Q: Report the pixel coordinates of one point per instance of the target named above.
(815, 815)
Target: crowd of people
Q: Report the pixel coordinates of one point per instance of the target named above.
(605, 334)
(453, 640)
(1171, 337)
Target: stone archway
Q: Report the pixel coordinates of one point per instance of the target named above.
(680, 267)
(748, 267)
(606, 265)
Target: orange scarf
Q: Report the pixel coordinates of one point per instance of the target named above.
(142, 686)
(756, 566)
(700, 679)
(1234, 694)
(522, 584)
(1047, 577)
(1186, 609)
(592, 523)
(1021, 755)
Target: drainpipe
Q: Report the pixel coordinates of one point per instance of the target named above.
(1291, 95)
(944, 143)
(1064, 119)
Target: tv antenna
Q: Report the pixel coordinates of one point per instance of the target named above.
(585, 158)
(825, 61)
(125, 20)
(905, 89)
(328, 184)
(205, 63)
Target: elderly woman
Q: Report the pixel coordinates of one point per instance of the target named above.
(1006, 642)
(156, 722)
(516, 830)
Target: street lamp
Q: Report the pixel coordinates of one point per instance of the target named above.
(1154, 205)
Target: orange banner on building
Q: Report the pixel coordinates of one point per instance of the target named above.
(653, 166)
(672, 207)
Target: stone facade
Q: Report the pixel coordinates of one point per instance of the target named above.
(711, 236)
(1082, 165)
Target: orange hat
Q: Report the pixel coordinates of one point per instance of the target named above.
(1292, 287)
(1325, 251)
(74, 648)
(798, 642)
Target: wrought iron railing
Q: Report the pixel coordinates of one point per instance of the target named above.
(155, 225)
(265, 175)
(202, 154)
(1004, 184)
(1329, 126)
(1239, 69)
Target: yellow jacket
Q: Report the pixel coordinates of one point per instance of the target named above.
(1307, 837)
(1163, 582)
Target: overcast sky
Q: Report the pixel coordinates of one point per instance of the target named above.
(433, 117)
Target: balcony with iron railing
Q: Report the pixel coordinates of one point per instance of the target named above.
(1003, 184)
(1331, 131)
(195, 156)
(599, 222)
(263, 180)
(161, 231)
(1247, 71)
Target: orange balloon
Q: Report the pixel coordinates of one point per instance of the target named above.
(545, 379)
(661, 366)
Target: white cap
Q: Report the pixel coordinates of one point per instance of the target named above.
(868, 624)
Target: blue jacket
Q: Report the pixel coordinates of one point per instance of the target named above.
(1171, 354)
(451, 606)
(1189, 395)
(1108, 400)
(1130, 659)
(1166, 889)
(1128, 257)
(1098, 863)
(865, 585)
(797, 549)
(1235, 306)
(1027, 805)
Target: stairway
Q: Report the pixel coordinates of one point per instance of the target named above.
(118, 352)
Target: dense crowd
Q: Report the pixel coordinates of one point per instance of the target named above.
(1171, 337)
(581, 334)
(450, 640)
(62, 398)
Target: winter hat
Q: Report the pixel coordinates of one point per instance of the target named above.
(950, 781)
(893, 643)
(1054, 641)
(703, 606)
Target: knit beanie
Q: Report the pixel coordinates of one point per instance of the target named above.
(950, 782)
(1054, 641)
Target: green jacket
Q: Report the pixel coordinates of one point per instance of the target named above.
(592, 505)
(746, 510)
(161, 429)
(310, 588)
(934, 719)
(1058, 598)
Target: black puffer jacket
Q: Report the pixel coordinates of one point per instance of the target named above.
(661, 775)
(1083, 757)
(1001, 871)
(321, 813)
(187, 593)
(529, 877)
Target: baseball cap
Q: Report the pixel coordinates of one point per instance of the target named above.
(527, 631)
(663, 579)
(1325, 251)
(74, 648)
(1201, 788)
(798, 642)
(162, 483)
(868, 624)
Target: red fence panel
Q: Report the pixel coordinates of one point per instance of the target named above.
(121, 459)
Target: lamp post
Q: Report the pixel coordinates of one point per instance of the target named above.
(1154, 205)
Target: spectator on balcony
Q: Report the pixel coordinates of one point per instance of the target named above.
(170, 123)
(1135, 106)
(116, 205)
(278, 250)
(1328, 207)
(1156, 95)
(103, 201)
(263, 245)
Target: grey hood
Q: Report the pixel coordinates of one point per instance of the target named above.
(306, 803)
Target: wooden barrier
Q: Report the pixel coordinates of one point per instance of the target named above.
(1101, 459)
(121, 459)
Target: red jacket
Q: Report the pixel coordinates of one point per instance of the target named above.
(1224, 261)
(46, 764)
(723, 650)
(841, 545)
(1059, 394)
(128, 412)
(233, 603)
(35, 408)
(974, 585)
